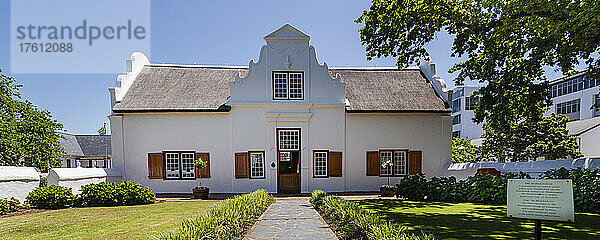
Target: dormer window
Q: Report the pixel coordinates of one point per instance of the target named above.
(288, 85)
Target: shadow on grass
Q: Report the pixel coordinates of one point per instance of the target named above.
(477, 221)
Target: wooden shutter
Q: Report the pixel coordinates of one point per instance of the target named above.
(415, 161)
(373, 163)
(155, 166)
(334, 164)
(205, 172)
(242, 165)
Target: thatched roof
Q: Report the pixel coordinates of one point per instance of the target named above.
(164, 88)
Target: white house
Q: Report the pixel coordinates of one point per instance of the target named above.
(285, 123)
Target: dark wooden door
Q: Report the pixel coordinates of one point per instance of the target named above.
(288, 163)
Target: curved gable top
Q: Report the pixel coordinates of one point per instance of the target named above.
(287, 32)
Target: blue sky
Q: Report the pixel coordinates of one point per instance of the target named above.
(208, 32)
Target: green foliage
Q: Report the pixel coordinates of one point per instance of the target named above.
(114, 194)
(43, 182)
(200, 163)
(481, 188)
(586, 186)
(464, 151)
(9, 205)
(412, 187)
(51, 197)
(505, 45)
(26, 130)
(353, 222)
(226, 220)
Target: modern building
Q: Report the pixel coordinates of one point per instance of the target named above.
(574, 96)
(87, 151)
(285, 123)
(463, 104)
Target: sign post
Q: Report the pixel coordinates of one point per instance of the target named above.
(540, 199)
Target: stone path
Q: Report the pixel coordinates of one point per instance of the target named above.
(290, 219)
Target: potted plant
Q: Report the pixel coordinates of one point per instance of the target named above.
(200, 191)
(387, 190)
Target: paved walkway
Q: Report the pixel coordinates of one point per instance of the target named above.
(290, 219)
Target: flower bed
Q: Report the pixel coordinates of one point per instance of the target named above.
(226, 220)
(353, 222)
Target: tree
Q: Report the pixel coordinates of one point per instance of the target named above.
(506, 45)
(464, 151)
(27, 133)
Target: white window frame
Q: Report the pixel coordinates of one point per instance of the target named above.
(288, 83)
(257, 165)
(186, 164)
(385, 171)
(400, 167)
(282, 133)
(170, 156)
(318, 167)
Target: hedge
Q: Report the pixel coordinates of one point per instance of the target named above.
(114, 194)
(490, 189)
(353, 222)
(226, 220)
(51, 197)
(9, 205)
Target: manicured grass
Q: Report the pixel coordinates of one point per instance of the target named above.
(477, 221)
(128, 222)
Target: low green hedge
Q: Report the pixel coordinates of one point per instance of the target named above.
(114, 194)
(489, 189)
(353, 222)
(226, 220)
(51, 197)
(9, 205)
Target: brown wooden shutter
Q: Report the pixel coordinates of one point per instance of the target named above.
(373, 163)
(242, 168)
(334, 164)
(205, 172)
(415, 161)
(155, 166)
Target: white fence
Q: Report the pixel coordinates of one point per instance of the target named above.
(18, 182)
(534, 169)
(75, 178)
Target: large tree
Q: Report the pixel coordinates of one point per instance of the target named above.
(26, 133)
(506, 46)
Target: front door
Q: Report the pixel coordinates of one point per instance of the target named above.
(288, 152)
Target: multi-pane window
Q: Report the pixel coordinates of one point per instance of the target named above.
(398, 163)
(320, 164)
(187, 165)
(568, 107)
(280, 85)
(172, 165)
(257, 165)
(470, 102)
(180, 165)
(295, 85)
(289, 139)
(285, 156)
(400, 166)
(385, 157)
(456, 105)
(288, 86)
(573, 85)
(456, 119)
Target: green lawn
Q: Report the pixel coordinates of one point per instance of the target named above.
(478, 221)
(128, 222)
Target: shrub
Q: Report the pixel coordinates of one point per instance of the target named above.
(51, 197)
(9, 205)
(586, 186)
(114, 194)
(353, 222)
(445, 189)
(43, 182)
(226, 220)
(412, 187)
